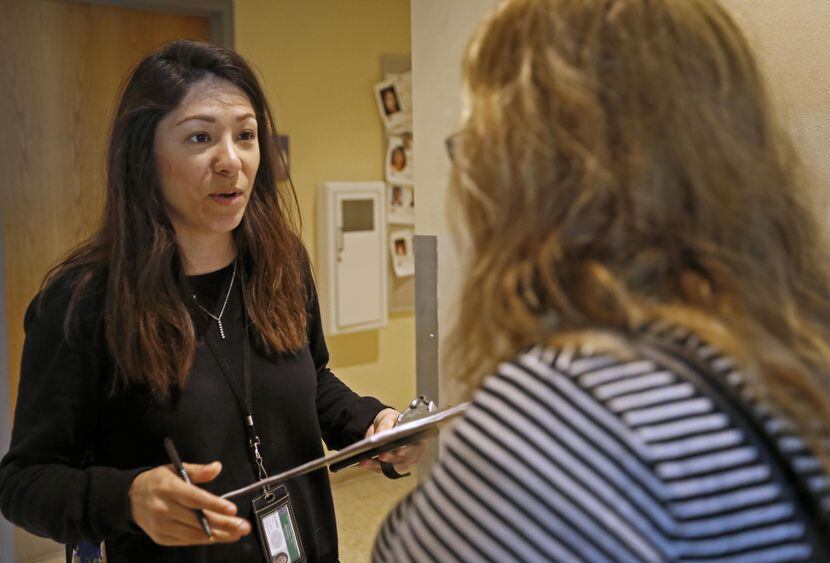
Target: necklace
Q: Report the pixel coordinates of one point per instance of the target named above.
(218, 318)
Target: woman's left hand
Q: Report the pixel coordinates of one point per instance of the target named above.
(401, 458)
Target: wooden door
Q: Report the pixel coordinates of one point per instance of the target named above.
(61, 66)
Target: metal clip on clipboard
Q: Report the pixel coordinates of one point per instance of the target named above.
(420, 421)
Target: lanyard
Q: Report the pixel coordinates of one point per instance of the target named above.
(242, 397)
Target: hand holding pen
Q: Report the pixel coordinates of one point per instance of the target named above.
(177, 464)
(167, 508)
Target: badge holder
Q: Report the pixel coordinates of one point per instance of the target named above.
(274, 516)
(277, 527)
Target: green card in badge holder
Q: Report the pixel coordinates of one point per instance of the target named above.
(277, 527)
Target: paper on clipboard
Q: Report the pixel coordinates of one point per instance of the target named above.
(403, 433)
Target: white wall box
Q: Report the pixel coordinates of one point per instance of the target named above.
(351, 256)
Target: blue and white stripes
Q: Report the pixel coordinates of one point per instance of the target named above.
(568, 455)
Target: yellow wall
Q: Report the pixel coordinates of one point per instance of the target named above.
(318, 60)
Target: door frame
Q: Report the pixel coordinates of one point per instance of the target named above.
(221, 16)
(220, 13)
(7, 547)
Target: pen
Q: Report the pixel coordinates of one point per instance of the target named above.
(177, 463)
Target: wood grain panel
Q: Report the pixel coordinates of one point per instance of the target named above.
(61, 65)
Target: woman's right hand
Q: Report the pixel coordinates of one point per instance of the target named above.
(164, 506)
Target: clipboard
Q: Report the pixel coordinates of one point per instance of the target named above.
(402, 434)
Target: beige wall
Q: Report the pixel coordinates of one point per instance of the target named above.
(791, 40)
(319, 60)
(439, 33)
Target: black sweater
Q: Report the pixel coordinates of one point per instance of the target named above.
(76, 447)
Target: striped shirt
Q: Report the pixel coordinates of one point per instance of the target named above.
(569, 455)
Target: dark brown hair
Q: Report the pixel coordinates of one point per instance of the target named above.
(148, 328)
(620, 163)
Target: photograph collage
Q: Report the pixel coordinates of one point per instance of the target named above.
(394, 101)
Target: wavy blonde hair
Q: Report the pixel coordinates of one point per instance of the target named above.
(619, 163)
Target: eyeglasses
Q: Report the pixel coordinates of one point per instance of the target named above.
(454, 144)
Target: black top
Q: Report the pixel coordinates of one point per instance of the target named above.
(76, 446)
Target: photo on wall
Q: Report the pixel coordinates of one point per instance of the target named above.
(401, 204)
(394, 101)
(400, 248)
(400, 168)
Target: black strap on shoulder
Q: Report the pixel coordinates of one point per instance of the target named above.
(696, 370)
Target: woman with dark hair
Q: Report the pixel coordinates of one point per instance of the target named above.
(191, 314)
(647, 287)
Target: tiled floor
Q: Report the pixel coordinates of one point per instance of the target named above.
(362, 499)
(54, 559)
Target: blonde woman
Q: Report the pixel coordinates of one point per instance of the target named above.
(647, 289)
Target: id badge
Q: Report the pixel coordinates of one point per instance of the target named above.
(277, 527)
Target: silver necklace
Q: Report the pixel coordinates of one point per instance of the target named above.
(218, 318)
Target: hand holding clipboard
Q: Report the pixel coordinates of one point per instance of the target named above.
(406, 432)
